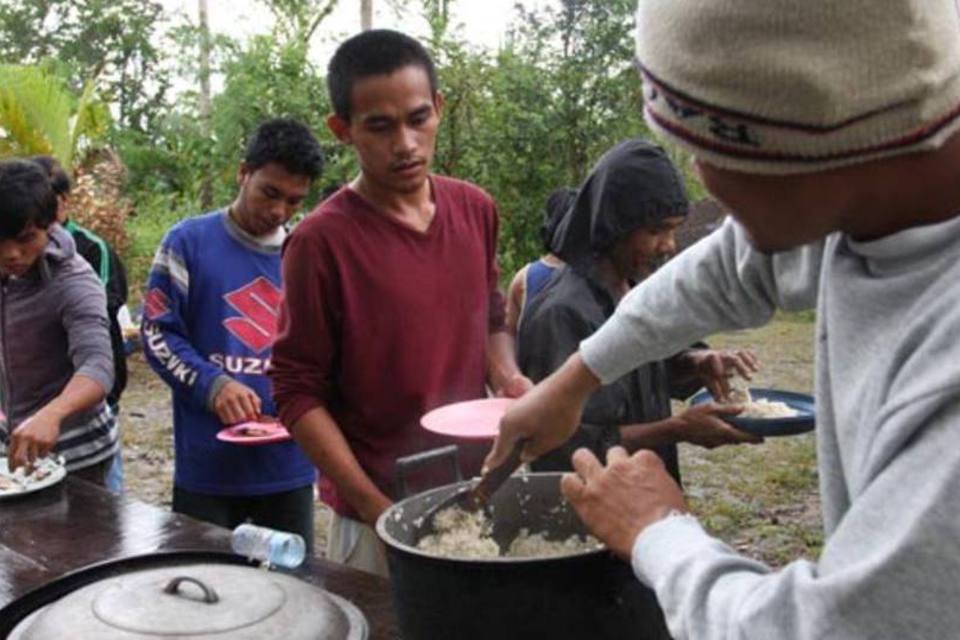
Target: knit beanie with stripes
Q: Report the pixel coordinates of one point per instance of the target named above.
(787, 86)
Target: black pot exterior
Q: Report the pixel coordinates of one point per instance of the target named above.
(585, 595)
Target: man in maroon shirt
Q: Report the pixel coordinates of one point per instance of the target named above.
(392, 303)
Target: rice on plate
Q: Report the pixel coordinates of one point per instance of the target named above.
(760, 407)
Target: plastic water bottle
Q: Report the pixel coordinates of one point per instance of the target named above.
(276, 548)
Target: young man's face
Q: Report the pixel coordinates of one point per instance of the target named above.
(393, 127)
(268, 198)
(19, 254)
(644, 250)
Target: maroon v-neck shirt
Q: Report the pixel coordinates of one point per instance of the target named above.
(382, 323)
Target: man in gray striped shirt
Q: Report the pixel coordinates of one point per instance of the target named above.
(56, 364)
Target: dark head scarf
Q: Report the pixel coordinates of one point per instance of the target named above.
(633, 185)
(559, 200)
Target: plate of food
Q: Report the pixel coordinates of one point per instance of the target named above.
(473, 419)
(768, 412)
(254, 433)
(45, 472)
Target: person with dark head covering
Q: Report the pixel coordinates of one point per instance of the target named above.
(619, 230)
(533, 276)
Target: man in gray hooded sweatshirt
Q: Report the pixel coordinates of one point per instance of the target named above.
(56, 364)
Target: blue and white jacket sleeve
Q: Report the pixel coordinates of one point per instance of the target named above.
(165, 330)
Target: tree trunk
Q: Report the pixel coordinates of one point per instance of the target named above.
(366, 14)
(206, 188)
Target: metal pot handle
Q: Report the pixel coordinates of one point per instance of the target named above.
(209, 595)
(406, 464)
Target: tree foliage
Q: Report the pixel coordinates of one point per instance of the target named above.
(269, 75)
(519, 121)
(297, 20)
(538, 113)
(112, 40)
(40, 116)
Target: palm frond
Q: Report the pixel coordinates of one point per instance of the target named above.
(38, 114)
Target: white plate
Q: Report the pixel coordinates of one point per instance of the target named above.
(59, 473)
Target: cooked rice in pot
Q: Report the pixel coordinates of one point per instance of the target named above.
(462, 534)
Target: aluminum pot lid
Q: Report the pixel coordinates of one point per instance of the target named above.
(199, 601)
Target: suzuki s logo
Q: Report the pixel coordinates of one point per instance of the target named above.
(259, 303)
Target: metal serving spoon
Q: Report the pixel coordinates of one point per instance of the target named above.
(473, 497)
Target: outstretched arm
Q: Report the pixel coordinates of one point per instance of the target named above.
(884, 573)
(36, 436)
(720, 283)
(83, 313)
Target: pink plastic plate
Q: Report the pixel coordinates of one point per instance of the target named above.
(471, 419)
(253, 433)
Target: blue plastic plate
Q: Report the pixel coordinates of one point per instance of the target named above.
(801, 423)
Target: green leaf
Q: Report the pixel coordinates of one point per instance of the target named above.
(37, 114)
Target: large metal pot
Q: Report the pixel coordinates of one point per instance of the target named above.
(200, 595)
(588, 594)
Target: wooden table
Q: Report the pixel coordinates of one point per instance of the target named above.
(75, 524)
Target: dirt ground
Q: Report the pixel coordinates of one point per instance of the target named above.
(761, 499)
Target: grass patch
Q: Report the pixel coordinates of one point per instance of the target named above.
(763, 500)
(807, 316)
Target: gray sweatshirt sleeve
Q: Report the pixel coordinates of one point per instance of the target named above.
(84, 312)
(720, 283)
(886, 572)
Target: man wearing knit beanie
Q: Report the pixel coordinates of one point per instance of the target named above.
(830, 131)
